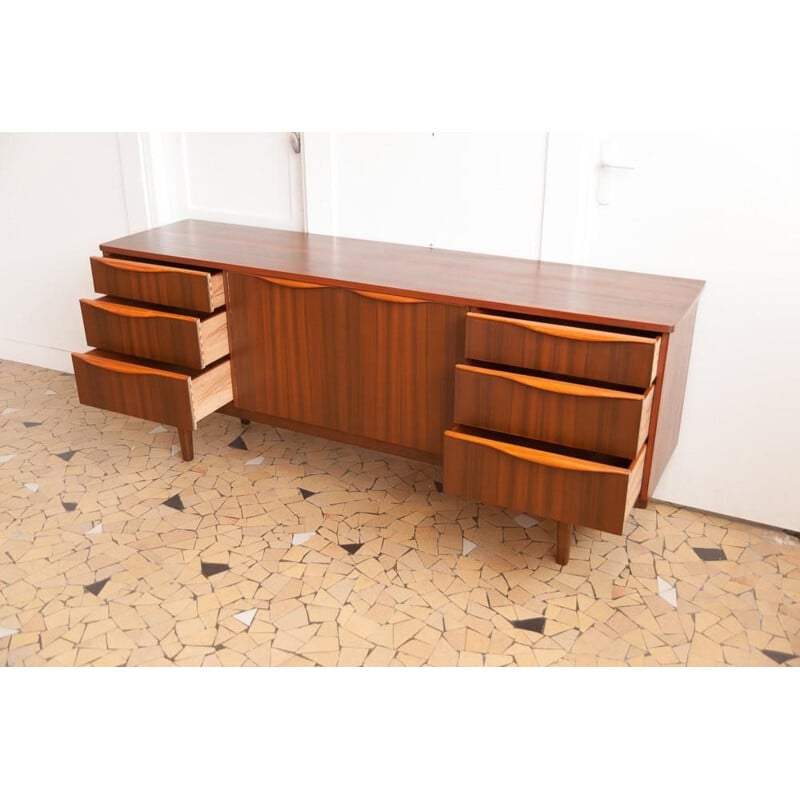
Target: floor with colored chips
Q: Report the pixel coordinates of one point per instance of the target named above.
(274, 548)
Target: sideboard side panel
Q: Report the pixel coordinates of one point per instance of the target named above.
(668, 405)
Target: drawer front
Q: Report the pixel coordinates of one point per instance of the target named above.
(584, 417)
(154, 334)
(180, 397)
(539, 482)
(578, 352)
(194, 290)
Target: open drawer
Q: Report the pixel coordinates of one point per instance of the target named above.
(503, 471)
(587, 353)
(193, 289)
(155, 333)
(158, 392)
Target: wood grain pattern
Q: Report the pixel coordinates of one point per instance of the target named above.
(214, 337)
(567, 332)
(191, 289)
(330, 433)
(108, 381)
(618, 359)
(155, 334)
(293, 284)
(665, 424)
(388, 298)
(536, 455)
(539, 482)
(211, 389)
(147, 390)
(563, 542)
(187, 443)
(289, 350)
(575, 415)
(358, 340)
(338, 360)
(564, 291)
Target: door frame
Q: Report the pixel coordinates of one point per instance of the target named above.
(154, 175)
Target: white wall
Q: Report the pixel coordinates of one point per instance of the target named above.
(60, 196)
(725, 209)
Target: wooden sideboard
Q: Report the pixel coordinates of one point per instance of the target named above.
(548, 388)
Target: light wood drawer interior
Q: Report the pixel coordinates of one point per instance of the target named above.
(542, 482)
(597, 355)
(176, 287)
(572, 414)
(154, 333)
(170, 395)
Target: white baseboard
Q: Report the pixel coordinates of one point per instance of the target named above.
(36, 354)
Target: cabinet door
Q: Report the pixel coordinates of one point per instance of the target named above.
(371, 365)
(290, 346)
(401, 369)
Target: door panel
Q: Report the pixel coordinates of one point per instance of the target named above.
(479, 192)
(366, 364)
(722, 207)
(244, 178)
(402, 361)
(289, 342)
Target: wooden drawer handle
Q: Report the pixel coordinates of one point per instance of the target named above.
(542, 457)
(291, 284)
(554, 387)
(128, 369)
(135, 311)
(132, 266)
(387, 298)
(565, 331)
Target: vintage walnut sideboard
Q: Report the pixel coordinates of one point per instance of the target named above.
(548, 388)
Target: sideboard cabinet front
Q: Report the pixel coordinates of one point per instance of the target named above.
(370, 365)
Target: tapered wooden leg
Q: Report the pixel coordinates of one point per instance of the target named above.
(187, 445)
(563, 541)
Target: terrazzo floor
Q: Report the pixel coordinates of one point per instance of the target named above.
(274, 548)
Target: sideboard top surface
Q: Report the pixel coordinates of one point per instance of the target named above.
(587, 294)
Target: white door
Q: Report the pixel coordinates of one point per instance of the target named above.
(480, 192)
(725, 209)
(243, 178)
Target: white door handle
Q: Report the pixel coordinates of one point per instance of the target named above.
(607, 164)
